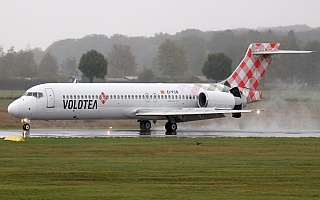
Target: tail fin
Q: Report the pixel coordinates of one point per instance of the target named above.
(252, 68)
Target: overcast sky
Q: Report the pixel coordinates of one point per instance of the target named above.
(41, 22)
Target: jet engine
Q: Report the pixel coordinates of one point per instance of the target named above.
(228, 100)
(216, 99)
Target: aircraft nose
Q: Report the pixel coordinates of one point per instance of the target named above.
(13, 109)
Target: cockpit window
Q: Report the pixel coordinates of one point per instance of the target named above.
(37, 95)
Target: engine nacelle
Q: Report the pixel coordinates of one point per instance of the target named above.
(216, 99)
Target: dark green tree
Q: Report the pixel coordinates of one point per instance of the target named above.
(172, 60)
(289, 62)
(69, 67)
(310, 68)
(121, 61)
(7, 64)
(48, 67)
(217, 66)
(93, 64)
(25, 66)
(146, 75)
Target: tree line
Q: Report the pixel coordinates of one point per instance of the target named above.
(163, 57)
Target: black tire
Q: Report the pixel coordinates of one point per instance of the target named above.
(171, 127)
(145, 125)
(26, 127)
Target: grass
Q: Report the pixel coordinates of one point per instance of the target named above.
(160, 168)
(10, 94)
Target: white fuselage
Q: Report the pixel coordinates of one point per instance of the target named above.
(67, 101)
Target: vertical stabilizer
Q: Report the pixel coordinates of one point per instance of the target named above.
(252, 68)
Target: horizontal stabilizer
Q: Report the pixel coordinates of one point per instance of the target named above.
(281, 52)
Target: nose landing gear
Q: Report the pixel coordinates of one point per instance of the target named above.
(26, 127)
(26, 124)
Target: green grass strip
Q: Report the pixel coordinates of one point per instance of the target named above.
(160, 168)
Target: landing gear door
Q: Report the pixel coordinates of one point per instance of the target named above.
(50, 98)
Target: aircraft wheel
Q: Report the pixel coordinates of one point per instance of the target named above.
(171, 127)
(145, 125)
(26, 127)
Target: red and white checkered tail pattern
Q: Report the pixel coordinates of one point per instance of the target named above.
(251, 95)
(252, 68)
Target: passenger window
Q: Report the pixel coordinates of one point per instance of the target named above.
(142, 96)
(85, 96)
(81, 96)
(139, 96)
(128, 96)
(63, 96)
(121, 96)
(136, 96)
(78, 96)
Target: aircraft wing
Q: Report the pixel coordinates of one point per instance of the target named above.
(186, 111)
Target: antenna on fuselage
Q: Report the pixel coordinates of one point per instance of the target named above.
(75, 80)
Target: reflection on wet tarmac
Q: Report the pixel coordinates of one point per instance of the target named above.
(156, 133)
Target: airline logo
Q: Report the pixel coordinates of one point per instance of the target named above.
(80, 104)
(103, 98)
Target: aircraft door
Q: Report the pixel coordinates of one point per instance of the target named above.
(50, 98)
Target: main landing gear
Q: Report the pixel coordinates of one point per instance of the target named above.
(171, 127)
(145, 125)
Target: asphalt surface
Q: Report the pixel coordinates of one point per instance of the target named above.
(70, 133)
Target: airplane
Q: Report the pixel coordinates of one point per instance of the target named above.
(150, 102)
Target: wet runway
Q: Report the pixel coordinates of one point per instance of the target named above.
(70, 133)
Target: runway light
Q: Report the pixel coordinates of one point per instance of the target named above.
(110, 127)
